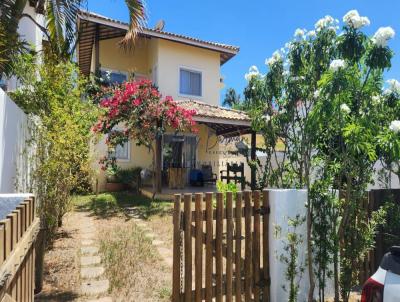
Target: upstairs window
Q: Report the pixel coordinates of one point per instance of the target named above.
(190, 82)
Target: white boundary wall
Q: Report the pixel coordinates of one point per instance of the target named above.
(14, 168)
(285, 204)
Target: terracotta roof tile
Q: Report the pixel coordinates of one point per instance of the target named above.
(211, 111)
(225, 46)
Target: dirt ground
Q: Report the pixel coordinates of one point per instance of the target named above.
(134, 268)
(61, 270)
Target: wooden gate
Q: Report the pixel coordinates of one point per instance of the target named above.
(221, 250)
(17, 253)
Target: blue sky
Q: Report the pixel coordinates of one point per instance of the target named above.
(258, 27)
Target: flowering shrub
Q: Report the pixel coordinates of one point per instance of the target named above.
(327, 120)
(142, 113)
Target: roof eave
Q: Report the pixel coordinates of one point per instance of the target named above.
(229, 52)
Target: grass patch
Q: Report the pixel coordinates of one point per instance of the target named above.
(111, 204)
(132, 264)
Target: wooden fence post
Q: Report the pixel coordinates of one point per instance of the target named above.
(188, 246)
(176, 277)
(199, 246)
(229, 246)
(265, 246)
(209, 246)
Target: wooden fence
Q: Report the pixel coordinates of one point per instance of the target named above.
(376, 199)
(210, 260)
(17, 253)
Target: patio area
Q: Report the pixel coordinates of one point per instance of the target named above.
(168, 194)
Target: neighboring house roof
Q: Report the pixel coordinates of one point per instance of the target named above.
(111, 28)
(225, 121)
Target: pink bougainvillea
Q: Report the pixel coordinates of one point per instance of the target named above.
(142, 113)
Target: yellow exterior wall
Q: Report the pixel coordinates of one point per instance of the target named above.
(132, 61)
(160, 60)
(139, 157)
(173, 55)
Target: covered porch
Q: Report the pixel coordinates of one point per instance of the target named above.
(222, 124)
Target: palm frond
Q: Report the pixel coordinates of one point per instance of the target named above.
(10, 13)
(61, 26)
(137, 19)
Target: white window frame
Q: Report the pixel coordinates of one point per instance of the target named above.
(105, 69)
(190, 69)
(129, 150)
(129, 153)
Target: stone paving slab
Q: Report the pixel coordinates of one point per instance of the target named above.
(104, 299)
(90, 260)
(95, 287)
(87, 242)
(92, 272)
(89, 236)
(89, 250)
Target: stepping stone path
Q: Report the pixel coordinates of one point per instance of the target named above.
(164, 251)
(94, 284)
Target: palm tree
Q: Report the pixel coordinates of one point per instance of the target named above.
(60, 27)
(10, 44)
(231, 98)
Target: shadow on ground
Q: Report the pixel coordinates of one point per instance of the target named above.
(63, 296)
(107, 205)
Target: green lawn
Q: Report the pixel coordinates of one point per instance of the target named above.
(110, 204)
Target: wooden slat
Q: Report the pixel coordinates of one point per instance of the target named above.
(209, 247)
(229, 246)
(7, 237)
(14, 227)
(28, 213)
(238, 247)
(2, 243)
(188, 246)
(176, 250)
(256, 246)
(265, 246)
(218, 246)
(17, 224)
(198, 247)
(248, 245)
(20, 208)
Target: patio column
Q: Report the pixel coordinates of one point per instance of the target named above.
(253, 158)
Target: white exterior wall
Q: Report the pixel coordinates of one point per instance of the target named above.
(29, 32)
(14, 168)
(285, 204)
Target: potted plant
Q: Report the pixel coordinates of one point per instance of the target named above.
(114, 183)
(130, 178)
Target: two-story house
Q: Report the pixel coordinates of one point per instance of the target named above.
(186, 68)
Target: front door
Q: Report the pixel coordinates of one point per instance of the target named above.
(179, 151)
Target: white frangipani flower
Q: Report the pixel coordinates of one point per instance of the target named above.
(354, 20)
(312, 34)
(337, 64)
(253, 72)
(276, 56)
(344, 108)
(376, 99)
(317, 93)
(395, 126)
(299, 33)
(325, 22)
(382, 36)
(394, 85)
